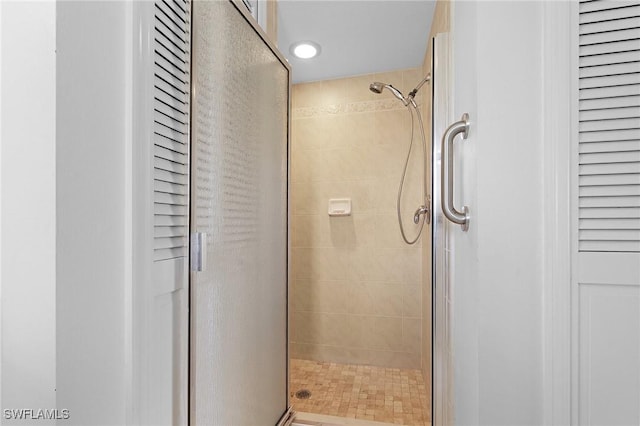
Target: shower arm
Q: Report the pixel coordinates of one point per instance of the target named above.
(413, 93)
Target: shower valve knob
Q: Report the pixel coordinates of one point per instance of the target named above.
(422, 210)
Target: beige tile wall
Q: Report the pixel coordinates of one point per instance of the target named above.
(357, 287)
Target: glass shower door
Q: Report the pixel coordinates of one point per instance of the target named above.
(240, 104)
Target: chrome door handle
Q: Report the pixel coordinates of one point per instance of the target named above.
(446, 179)
(198, 251)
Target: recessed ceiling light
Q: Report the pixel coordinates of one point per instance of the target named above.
(305, 49)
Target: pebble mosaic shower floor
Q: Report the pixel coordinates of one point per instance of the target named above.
(390, 395)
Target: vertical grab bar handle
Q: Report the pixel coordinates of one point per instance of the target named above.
(446, 179)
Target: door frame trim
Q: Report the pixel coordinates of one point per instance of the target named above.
(441, 359)
(559, 70)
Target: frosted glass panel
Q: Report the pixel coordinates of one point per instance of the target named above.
(239, 180)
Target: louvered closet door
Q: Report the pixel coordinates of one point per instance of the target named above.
(607, 288)
(168, 390)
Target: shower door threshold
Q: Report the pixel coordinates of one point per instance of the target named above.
(287, 417)
(312, 419)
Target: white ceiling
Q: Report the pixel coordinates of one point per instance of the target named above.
(356, 36)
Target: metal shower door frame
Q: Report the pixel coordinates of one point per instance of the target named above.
(442, 373)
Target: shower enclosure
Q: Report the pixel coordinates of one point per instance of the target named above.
(352, 317)
(360, 302)
(357, 286)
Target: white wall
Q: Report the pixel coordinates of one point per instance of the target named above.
(93, 190)
(498, 285)
(65, 184)
(28, 170)
(510, 170)
(0, 204)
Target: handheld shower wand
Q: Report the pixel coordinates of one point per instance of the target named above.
(408, 101)
(378, 87)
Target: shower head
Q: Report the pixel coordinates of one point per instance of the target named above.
(377, 87)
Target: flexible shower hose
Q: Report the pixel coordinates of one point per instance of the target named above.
(404, 172)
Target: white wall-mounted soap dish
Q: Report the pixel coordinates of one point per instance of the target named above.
(340, 207)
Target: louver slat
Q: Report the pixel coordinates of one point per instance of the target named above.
(609, 202)
(608, 180)
(610, 11)
(610, 69)
(169, 166)
(597, 5)
(171, 76)
(610, 234)
(610, 36)
(174, 12)
(167, 132)
(169, 150)
(171, 221)
(610, 157)
(171, 129)
(170, 242)
(170, 51)
(608, 169)
(599, 224)
(608, 58)
(164, 198)
(610, 191)
(170, 231)
(166, 60)
(609, 92)
(610, 113)
(606, 103)
(168, 105)
(607, 26)
(168, 144)
(171, 123)
(628, 79)
(616, 46)
(175, 178)
(610, 246)
(170, 188)
(163, 211)
(173, 21)
(610, 136)
(160, 254)
(610, 213)
(609, 126)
